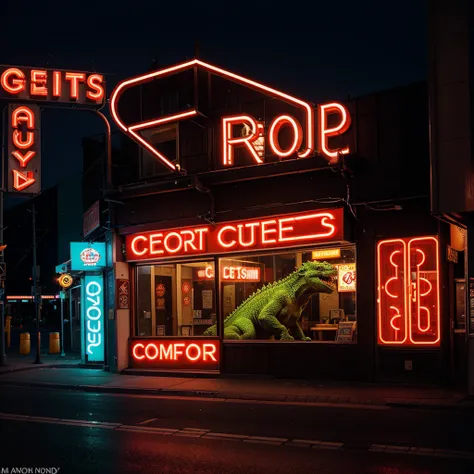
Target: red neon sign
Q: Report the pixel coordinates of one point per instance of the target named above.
(24, 148)
(408, 305)
(176, 354)
(52, 85)
(234, 273)
(303, 144)
(240, 236)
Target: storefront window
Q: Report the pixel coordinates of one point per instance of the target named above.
(282, 297)
(175, 299)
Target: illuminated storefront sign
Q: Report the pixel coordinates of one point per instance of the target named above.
(333, 119)
(346, 278)
(408, 291)
(94, 317)
(231, 273)
(24, 149)
(87, 256)
(239, 236)
(326, 253)
(41, 84)
(172, 354)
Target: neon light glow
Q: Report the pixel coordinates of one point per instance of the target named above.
(408, 304)
(305, 106)
(24, 159)
(23, 114)
(74, 78)
(96, 89)
(153, 123)
(162, 353)
(93, 308)
(22, 142)
(324, 132)
(21, 180)
(229, 141)
(281, 231)
(38, 82)
(13, 80)
(57, 84)
(275, 127)
(234, 273)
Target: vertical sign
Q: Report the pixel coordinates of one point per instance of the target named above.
(24, 149)
(94, 317)
(408, 291)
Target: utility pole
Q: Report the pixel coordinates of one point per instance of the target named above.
(35, 291)
(3, 299)
(62, 295)
(3, 358)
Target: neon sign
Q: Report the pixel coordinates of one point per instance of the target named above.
(94, 317)
(184, 354)
(24, 149)
(231, 273)
(273, 232)
(408, 303)
(87, 256)
(301, 145)
(51, 85)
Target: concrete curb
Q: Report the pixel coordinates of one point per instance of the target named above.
(222, 395)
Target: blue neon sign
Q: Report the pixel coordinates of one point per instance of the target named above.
(88, 256)
(93, 317)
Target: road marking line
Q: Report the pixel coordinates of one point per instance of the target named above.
(205, 433)
(145, 422)
(311, 442)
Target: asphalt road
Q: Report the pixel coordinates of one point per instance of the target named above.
(78, 448)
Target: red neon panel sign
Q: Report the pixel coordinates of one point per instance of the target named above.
(174, 354)
(289, 230)
(408, 307)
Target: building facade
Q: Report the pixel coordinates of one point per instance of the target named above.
(231, 188)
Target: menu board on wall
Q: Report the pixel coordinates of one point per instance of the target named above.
(207, 299)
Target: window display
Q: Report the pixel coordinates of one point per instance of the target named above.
(291, 296)
(175, 299)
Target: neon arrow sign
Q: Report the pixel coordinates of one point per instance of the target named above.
(303, 142)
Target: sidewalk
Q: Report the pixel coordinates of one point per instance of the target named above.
(19, 363)
(262, 390)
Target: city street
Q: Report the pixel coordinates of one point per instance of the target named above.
(91, 432)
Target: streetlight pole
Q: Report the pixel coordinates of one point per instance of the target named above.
(35, 291)
(62, 295)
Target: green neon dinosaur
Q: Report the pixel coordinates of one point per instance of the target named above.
(275, 309)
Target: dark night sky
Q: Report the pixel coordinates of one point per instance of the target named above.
(320, 50)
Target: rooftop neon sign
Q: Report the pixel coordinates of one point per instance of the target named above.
(307, 139)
